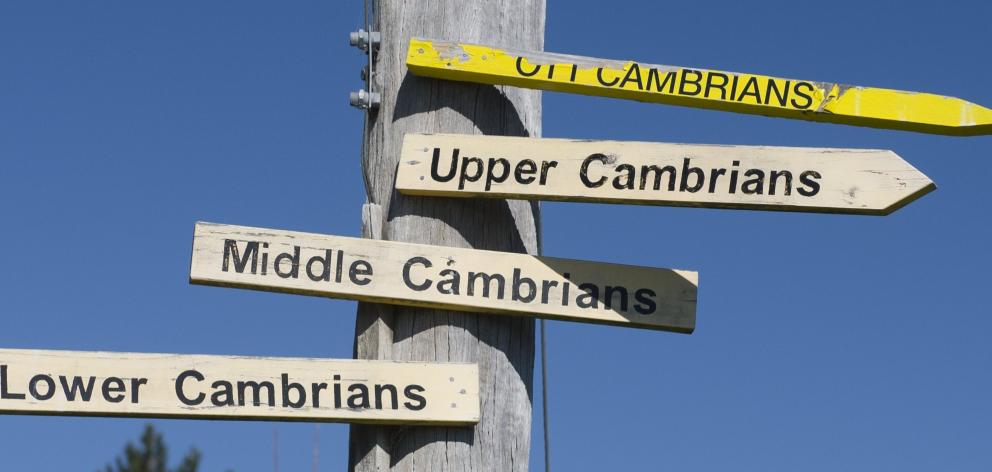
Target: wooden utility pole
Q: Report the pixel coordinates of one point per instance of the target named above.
(502, 346)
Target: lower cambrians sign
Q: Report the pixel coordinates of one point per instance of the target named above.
(224, 387)
(443, 277)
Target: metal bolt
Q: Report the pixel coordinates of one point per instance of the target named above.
(361, 39)
(364, 100)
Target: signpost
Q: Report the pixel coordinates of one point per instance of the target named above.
(859, 181)
(503, 346)
(493, 394)
(443, 277)
(72, 383)
(700, 88)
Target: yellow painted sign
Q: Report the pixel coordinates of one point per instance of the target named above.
(858, 181)
(700, 88)
(443, 277)
(34, 382)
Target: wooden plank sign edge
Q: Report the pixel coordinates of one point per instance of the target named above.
(818, 180)
(700, 88)
(211, 387)
(443, 277)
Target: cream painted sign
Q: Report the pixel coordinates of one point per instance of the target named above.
(858, 181)
(225, 387)
(445, 277)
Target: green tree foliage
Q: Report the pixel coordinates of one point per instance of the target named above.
(151, 455)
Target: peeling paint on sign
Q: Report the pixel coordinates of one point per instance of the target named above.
(700, 88)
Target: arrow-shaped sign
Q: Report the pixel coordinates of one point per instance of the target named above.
(862, 181)
(700, 88)
(74, 383)
(443, 277)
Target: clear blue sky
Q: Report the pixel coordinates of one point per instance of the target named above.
(824, 342)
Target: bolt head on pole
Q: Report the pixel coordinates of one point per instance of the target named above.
(364, 100)
(365, 40)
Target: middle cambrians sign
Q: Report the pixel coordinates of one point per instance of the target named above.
(443, 277)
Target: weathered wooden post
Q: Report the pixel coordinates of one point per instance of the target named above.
(502, 346)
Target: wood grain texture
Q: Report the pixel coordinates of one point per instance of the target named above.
(73, 383)
(855, 181)
(502, 346)
(443, 277)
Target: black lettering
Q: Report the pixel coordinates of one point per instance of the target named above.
(33, 387)
(633, 75)
(773, 179)
(520, 68)
(589, 297)
(77, 388)
(411, 393)
(722, 86)
(486, 281)
(525, 171)
(449, 286)
(4, 394)
(750, 89)
(780, 95)
(393, 396)
(733, 177)
(658, 172)
(362, 396)
(315, 389)
(519, 281)
(256, 392)
(223, 393)
(754, 185)
(645, 301)
(653, 76)
(265, 258)
(406, 273)
(625, 179)
(464, 175)
(714, 175)
(358, 269)
(564, 289)
(179, 388)
(136, 384)
(301, 393)
(694, 82)
(231, 250)
(599, 76)
(325, 261)
(584, 171)
(113, 389)
(451, 170)
(695, 171)
(546, 287)
(807, 98)
(808, 178)
(491, 177)
(608, 296)
(294, 261)
(545, 167)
